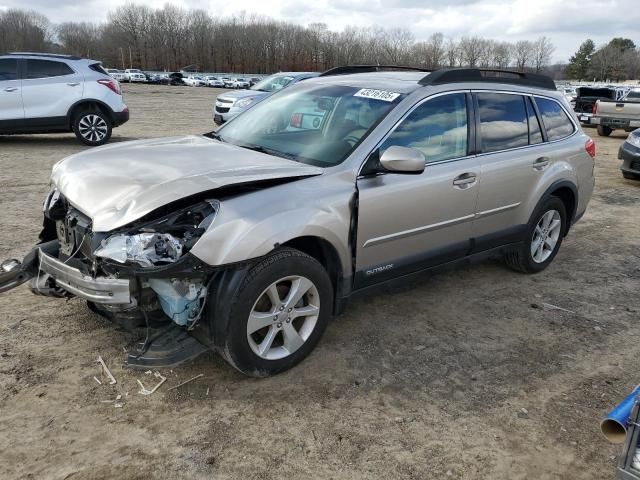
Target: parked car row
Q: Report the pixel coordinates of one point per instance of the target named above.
(134, 75)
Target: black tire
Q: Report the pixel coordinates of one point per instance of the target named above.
(521, 259)
(631, 176)
(280, 264)
(604, 131)
(83, 123)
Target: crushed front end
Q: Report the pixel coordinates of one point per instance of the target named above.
(140, 275)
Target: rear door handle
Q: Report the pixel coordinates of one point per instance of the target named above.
(73, 84)
(464, 180)
(11, 89)
(541, 163)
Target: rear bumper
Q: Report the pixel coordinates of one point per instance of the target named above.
(614, 122)
(120, 117)
(630, 157)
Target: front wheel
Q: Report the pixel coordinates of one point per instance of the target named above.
(92, 127)
(544, 237)
(279, 313)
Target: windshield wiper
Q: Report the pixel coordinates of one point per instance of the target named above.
(268, 151)
(215, 136)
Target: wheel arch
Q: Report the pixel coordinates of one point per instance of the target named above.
(89, 103)
(325, 253)
(567, 192)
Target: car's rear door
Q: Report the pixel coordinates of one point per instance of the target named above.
(11, 106)
(407, 222)
(50, 88)
(509, 141)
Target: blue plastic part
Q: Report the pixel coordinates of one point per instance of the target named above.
(178, 306)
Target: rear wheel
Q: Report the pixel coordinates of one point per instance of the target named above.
(544, 237)
(631, 176)
(604, 131)
(279, 313)
(92, 127)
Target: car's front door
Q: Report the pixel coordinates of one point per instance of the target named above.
(410, 222)
(50, 88)
(11, 108)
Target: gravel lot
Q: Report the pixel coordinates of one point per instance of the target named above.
(459, 375)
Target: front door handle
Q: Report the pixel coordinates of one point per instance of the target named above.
(541, 163)
(11, 89)
(73, 84)
(465, 180)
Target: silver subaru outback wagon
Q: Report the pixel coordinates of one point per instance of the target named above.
(263, 229)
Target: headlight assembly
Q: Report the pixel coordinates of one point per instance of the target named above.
(145, 249)
(161, 241)
(245, 102)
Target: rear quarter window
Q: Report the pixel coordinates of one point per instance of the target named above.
(555, 119)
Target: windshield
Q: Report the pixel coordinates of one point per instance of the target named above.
(633, 95)
(318, 125)
(273, 83)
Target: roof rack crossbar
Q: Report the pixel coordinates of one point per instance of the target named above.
(458, 75)
(347, 69)
(46, 55)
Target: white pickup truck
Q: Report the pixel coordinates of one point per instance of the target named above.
(610, 115)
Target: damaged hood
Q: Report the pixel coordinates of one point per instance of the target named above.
(119, 183)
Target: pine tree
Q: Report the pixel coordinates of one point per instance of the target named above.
(579, 62)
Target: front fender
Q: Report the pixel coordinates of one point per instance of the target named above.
(252, 225)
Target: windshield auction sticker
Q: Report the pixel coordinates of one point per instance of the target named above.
(377, 94)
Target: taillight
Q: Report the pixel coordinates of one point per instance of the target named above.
(590, 147)
(111, 85)
(595, 108)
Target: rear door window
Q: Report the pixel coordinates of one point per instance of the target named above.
(555, 120)
(46, 69)
(438, 128)
(503, 121)
(8, 69)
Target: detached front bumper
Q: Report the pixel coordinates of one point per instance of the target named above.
(101, 290)
(51, 274)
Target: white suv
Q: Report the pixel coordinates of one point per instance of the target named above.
(46, 93)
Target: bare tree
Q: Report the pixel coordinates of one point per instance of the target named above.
(542, 51)
(522, 52)
(172, 38)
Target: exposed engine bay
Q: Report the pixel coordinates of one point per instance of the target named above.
(148, 252)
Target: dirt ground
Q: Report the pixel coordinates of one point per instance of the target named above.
(459, 375)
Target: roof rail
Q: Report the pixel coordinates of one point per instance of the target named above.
(347, 69)
(47, 55)
(458, 75)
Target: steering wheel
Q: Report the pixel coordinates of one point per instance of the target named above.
(354, 136)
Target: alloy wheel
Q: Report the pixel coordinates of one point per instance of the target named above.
(545, 236)
(283, 318)
(93, 128)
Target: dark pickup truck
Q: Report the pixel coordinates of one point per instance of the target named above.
(587, 98)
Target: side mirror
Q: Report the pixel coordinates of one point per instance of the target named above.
(402, 160)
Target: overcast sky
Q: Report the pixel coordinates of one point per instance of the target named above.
(566, 22)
